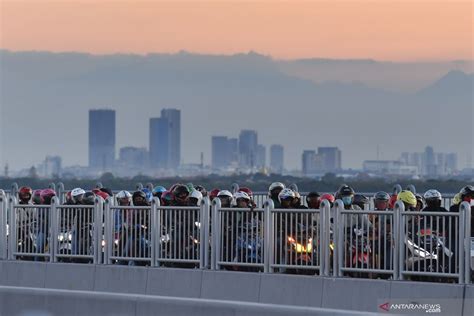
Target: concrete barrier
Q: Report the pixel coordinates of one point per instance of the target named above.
(246, 288)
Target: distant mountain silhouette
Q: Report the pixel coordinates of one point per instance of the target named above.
(49, 94)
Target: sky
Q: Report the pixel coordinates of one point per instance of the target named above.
(384, 29)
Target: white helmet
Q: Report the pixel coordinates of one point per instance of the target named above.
(286, 193)
(77, 191)
(432, 194)
(124, 195)
(197, 195)
(225, 193)
(241, 195)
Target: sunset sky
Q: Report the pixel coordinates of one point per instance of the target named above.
(382, 30)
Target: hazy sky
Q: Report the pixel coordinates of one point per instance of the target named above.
(383, 29)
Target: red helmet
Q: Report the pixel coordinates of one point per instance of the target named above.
(101, 193)
(329, 197)
(213, 193)
(166, 198)
(47, 195)
(37, 199)
(25, 191)
(392, 201)
(247, 190)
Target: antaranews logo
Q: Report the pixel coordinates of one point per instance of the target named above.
(385, 306)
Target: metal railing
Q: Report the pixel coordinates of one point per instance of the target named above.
(340, 242)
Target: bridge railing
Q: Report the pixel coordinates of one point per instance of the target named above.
(396, 244)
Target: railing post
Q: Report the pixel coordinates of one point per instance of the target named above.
(14, 189)
(267, 236)
(466, 209)
(461, 242)
(12, 227)
(3, 227)
(109, 238)
(60, 192)
(205, 232)
(54, 223)
(98, 209)
(399, 239)
(395, 240)
(326, 217)
(156, 231)
(215, 251)
(339, 244)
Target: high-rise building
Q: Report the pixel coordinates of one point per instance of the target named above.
(159, 142)
(331, 157)
(174, 136)
(248, 142)
(430, 168)
(133, 157)
(261, 159)
(276, 159)
(101, 139)
(220, 152)
(307, 161)
(51, 167)
(233, 151)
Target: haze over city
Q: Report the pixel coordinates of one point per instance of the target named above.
(321, 73)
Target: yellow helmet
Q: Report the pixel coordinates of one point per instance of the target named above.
(407, 197)
(457, 199)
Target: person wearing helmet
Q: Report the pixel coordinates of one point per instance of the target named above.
(286, 198)
(383, 230)
(360, 221)
(195, 198)
(274, 191)
(158, 191)
(381, 201)
(139, 198)
(297, 202)
(104, 195)
(433, 200)
(213, 194)
(328, 197)
(346, 194)
(124, 198)
(36, 199)
(25, 222)
(43, 226)
(250, 194)
(201, 189)
(180, 195)
(76, 195)
(313, 200)
(81, 242)
(24, 195)
(242, 200)
(226, 198)
(408, 199)
(166, 198)
(148, 195)
(361, 201)
(420, 202)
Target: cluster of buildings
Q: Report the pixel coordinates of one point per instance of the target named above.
(324, 160)
(420, 164)
(245, 154)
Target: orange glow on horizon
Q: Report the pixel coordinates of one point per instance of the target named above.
(383, 30)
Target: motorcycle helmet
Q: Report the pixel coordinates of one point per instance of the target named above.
(148, 194)
(124, 198)
(89, 198)
(275, 189)
(226, 198)
(213, 194)
(166, 198)
(433, 198)
(180, 193)
(100, 193)
(108, 191)
(47, 196)
(201, 189)
(195, 198)
(328, 197)
(457, 199)
(286, 195)
(467, 193)
(346, 194)
(37, 197)
(25, 193)
(381, 200)
(139, 198)
(246, 190)
(313, 199)
(360, 200)
(76, 195)
(408, 198)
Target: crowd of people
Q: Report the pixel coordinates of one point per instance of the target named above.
(189, 195)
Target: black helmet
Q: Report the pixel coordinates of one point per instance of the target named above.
(345, 191)
(89, 198)
(142, 196)
(360, 200)
(201, 189)
(468, 190)
(312, 194)
(381, 196)
(107, 190)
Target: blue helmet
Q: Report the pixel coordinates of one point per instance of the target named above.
(148, 194)
(158, 191)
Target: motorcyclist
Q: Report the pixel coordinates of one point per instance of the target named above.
(158, 191)
(43, 224)
(77, 195)
(195, 198)
(25, 222)
(328, 197)
(201, 189)
(408, 199)
(383, 230)
(148, 195)
(420, 202)
(166, 198)
(180, 195)
(24, 195)
(250, 194)
(226, 198)
(313, 200)
(296, 204)
(274, 191)
(213, 194)
(359, 221)
(242, 200)
(433, 200)
(361, 201)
